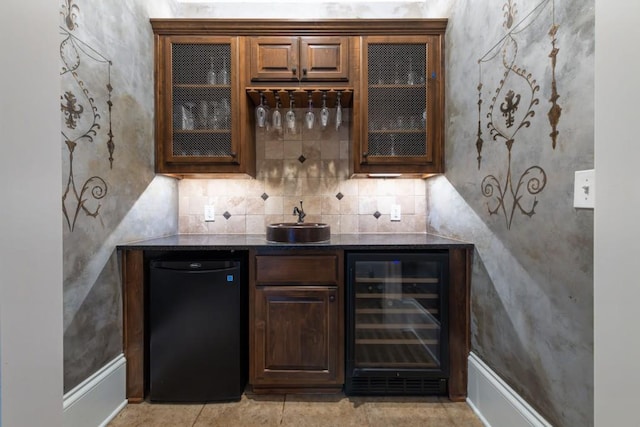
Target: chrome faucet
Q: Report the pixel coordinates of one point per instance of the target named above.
(300, 213)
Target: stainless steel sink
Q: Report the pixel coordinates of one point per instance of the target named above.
(295, 232)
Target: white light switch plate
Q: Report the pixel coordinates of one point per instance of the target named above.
(584, 189)
(209, 213)
(395, 213)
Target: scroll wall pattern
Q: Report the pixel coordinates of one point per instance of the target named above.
(85, 99)
(513, 101)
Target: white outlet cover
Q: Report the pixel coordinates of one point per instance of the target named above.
(396, 213)
(209, 213)
(584, 189)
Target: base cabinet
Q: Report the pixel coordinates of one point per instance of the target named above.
(296, 323)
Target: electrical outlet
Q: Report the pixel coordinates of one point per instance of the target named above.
(584, 189)
(209, 213)
(395, 213)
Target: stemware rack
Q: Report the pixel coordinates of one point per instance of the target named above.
(300, 96)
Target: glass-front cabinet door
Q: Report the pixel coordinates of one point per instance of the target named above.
(198, 104)
(397, 319)
(401, 119)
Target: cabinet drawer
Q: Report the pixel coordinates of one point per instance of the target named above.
(297, 269)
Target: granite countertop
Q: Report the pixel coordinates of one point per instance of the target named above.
(341, 241)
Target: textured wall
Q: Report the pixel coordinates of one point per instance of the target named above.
(109, 191)
(532, 291)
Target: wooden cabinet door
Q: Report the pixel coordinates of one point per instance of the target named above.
(198, 107)
(401, 120)
(274, 58)
(324, 58)
(297, 337)
(283, 58)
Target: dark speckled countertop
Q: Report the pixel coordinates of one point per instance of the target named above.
(341, 241)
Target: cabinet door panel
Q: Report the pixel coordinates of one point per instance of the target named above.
(324, 58)
(274, 58)
(297, 339)
(402, 99)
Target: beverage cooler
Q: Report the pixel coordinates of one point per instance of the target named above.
(397, 323)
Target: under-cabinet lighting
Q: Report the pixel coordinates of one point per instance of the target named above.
(384, 175)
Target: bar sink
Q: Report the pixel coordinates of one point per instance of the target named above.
(297, 232)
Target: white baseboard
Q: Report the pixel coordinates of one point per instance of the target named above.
(495, 402)
(99, 398)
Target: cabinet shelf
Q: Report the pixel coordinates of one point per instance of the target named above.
(200, 86)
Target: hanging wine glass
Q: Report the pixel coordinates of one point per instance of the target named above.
(324, 112)
(261, 112)
(310, 117)
(276, 116)
(338, 111)
(290, 117)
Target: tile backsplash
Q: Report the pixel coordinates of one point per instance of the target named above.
(311, 166)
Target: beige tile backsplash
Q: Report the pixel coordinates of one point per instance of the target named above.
(317, 178)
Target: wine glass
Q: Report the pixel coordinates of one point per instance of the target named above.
(324, 112)
(290, 116)
(276, 116)
(338, 111)
(261, 112)
(310, 117)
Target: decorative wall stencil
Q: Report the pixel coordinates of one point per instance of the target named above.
(83, 96)
(512, 107)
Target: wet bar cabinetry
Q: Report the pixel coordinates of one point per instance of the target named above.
(211, 75)
(297, 314)
(296, 326)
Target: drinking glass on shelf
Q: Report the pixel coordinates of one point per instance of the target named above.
(203, 114)
(211, 74)
(411, 75)
(223, 75)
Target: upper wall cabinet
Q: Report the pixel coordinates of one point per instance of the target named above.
(212, 73)
(198, 107)
(309, 59)
(401, 121)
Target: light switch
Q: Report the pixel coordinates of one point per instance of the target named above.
(209, 213)
(395, 213)
(584, 189)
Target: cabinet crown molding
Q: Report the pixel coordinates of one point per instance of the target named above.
(252, 27)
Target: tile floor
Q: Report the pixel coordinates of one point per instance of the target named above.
(303, 411)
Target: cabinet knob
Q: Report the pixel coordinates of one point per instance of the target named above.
(332, 298)
(365, 157)
(234, 154)
(294, 70)
(304, 71)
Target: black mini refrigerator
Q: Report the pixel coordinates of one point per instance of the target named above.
(197, 331)
(397, 323)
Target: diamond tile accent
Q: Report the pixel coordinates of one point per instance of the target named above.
(339, 196)
(226, 215)
(302, 158)
(264, 196)
(377, 214)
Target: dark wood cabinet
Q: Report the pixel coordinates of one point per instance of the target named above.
(402, 106)
(199, 107)
(305, 59)
(296, 322)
